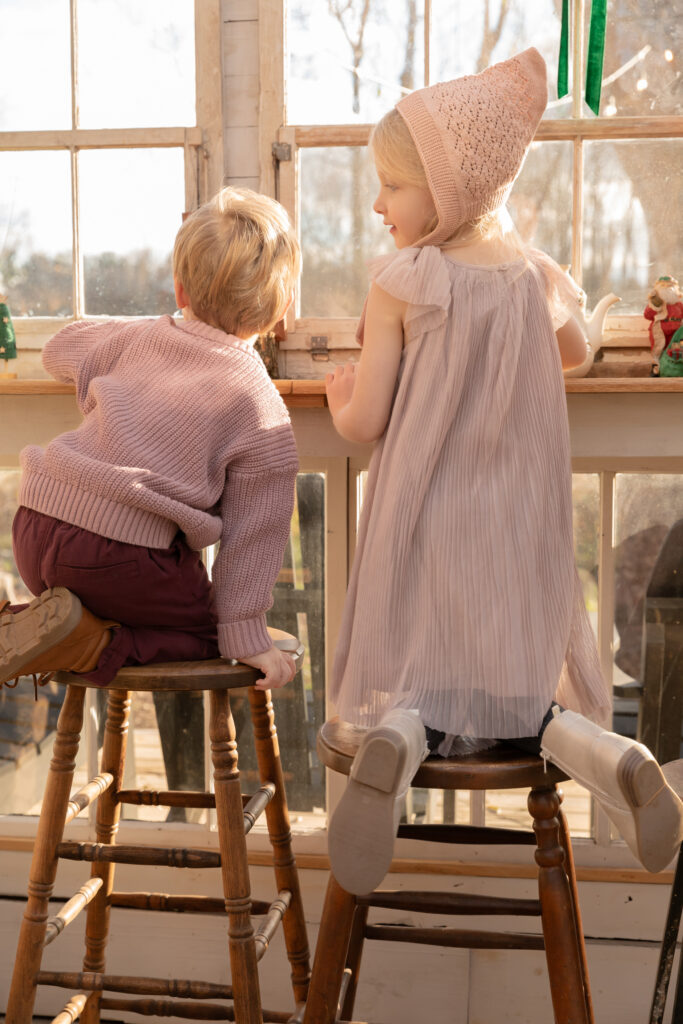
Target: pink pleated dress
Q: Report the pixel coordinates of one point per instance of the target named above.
(464, 601)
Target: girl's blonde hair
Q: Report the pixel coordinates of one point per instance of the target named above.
(397, 159)
(238, 258)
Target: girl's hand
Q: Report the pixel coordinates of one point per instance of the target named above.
(277, 666)
(339, 387)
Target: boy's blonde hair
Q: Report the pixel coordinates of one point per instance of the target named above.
(238, 258)
(397, 159)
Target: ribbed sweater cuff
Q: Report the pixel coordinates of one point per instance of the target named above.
(244, 638)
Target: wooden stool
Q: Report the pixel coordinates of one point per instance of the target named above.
(236, 815)
(344, 924)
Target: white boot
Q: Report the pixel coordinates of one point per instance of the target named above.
(364, 826)
(625, 779)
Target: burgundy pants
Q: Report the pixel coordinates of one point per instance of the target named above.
(163, 598)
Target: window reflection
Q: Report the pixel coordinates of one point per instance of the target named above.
(648, 585)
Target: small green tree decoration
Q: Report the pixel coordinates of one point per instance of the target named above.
(8, 341)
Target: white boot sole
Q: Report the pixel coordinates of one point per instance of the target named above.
(363, 827)
(24, 635)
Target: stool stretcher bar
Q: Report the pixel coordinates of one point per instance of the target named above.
(90, 792)
(169, 1008)
(265, 933)
(135, 985)
(455, 938)
(450, 903)
(71, 1011)
(161, 901)
(71, 909)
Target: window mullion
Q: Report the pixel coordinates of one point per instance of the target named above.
(77, 255)
(578, 9)
(577, 212)
(427, 40)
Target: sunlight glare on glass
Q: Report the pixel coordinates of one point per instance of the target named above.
(136, 63)
(36, 71)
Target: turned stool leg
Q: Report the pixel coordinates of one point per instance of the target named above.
(277, 818)
(565, 968)
(44, 863)
(330, 955)
(565, 839)
(108, 815)
(234, 866)
(353, 960)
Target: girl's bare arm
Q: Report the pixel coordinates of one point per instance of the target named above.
(572, 344)
(360, 395)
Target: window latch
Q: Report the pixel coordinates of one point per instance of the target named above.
(319, 350)
(282, 151)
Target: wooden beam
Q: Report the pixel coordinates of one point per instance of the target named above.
(549, 130)
(101, 138)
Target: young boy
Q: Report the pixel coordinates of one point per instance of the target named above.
(185, 441)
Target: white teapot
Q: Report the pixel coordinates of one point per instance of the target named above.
(592, 328)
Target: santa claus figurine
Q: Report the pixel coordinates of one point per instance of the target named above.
(664, 310)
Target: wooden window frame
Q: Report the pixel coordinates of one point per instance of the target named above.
(201, 144)
(281, 178)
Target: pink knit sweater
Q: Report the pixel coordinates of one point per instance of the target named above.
(182, 430)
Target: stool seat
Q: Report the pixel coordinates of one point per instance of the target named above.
(502, 766)
(212, 674)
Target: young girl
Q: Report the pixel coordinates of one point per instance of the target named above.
(464, 613)
(184, 442)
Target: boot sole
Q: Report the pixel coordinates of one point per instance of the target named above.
(363, 828)
(25, 635)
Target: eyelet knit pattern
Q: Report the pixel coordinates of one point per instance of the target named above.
(472, 135)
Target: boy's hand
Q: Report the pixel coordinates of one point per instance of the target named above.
(339, 386)
(278, 667)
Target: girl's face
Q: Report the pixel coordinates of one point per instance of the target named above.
(405, 209)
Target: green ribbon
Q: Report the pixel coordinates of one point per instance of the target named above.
(596, 54)
(563, 63)
(595, 57)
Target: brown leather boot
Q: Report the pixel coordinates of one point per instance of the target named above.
(54, 632)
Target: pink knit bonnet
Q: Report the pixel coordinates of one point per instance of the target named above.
(472, 135)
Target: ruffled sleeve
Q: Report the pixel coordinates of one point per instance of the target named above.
(418, 277)
(564, 295)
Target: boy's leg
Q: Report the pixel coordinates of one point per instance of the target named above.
(625, 779)
(162, 598)
(364, 826)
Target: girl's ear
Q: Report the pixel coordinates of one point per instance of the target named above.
(181, 295)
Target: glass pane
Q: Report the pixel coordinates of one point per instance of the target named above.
(298, 608)
(648, 612)
(586, 499)
(35, 228)
(28, 722)
(640, 74)
(541, 200)
(466, 38)
(632, 193)
(165, 750)
(351, 62)
(339, 230)
(131, 209)
(36, 66)
(136, 63)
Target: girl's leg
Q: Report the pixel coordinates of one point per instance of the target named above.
(364, 826)
(625, 779)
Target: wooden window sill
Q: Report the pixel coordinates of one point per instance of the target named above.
(311, 393)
